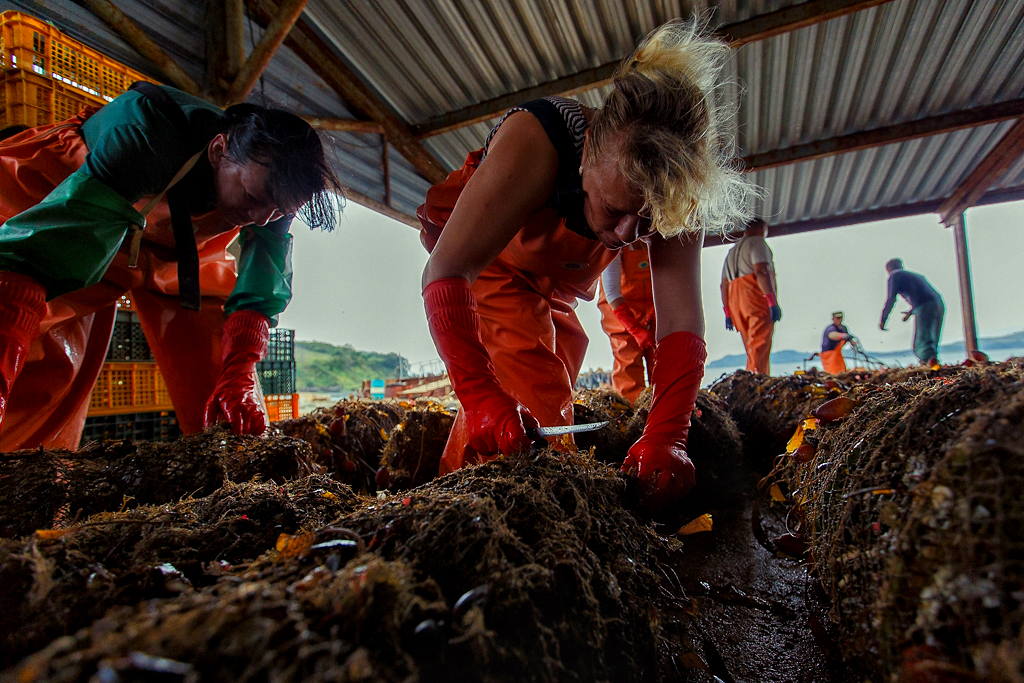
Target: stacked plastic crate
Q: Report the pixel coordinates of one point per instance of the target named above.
(47, 76)
(277, 376)
(130, 399)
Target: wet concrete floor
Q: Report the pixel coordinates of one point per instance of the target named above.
(761, 617)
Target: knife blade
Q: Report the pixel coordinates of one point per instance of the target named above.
(534, 432)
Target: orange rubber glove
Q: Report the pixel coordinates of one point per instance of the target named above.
(642, 335)
(659, 457)
(495, 421)
(237, 396)
(22, 307)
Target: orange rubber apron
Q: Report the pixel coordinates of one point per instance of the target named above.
(752, 318)
(628, 375)
(832, 361)
(526, 299)
(50, 399)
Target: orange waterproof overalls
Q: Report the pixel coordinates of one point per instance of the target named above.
(526, 300)
(628, 375)
(753, 320)
(832, 361)
(49, 402)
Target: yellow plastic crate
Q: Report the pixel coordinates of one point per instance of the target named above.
(49, 76)
(282, 406)
(129, 388)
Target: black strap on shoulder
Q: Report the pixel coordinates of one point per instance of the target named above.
(181, 221)
(568, 197)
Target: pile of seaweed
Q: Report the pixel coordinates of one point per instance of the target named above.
(767, 409)
(912, 505)
(527, 568)
(350, 438)
(43, 488)
(56, 581)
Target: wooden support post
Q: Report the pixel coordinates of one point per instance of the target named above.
(277, 30)
(146, 46)
(234, 36)
(387, 169)
(963, 269)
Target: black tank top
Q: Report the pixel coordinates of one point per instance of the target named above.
(565, 125)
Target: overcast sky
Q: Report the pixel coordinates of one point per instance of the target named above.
(360, 285)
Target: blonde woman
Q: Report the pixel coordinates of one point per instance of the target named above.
(528, 224)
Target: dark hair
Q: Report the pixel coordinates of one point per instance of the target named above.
(11, 131)
(299, 174)
(894, 264)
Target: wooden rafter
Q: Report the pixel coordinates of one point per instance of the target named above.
(138, 39)
(234, 36)
(737, 34)
(1007, 151)
(887, 135)
(381, 207)
(320, 57)
(277, 28)
(343, 125)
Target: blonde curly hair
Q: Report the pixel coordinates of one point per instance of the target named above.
(666, 119)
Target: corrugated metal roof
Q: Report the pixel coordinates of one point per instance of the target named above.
(897, 62)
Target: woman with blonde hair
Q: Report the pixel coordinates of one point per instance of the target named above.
(529, 222)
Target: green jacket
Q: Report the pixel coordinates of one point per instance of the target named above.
(68, 240)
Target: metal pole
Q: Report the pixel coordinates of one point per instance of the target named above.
(963, 267)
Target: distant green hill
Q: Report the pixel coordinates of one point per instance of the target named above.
(319, 365)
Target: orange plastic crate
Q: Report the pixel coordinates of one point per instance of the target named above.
(129, 388)
(49, 76)
(282, 406)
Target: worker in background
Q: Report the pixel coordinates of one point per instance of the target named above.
(627, 316)
(143, 196)
(525, 228)
(748, 295)
(925, 305)
(832, 341)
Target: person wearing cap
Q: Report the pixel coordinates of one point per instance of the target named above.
(925, 305)
(748, 295)
(832, 341)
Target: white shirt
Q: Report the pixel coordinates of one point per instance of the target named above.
(742, 258)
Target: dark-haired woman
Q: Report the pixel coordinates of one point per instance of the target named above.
(526, 226)
(142, 198)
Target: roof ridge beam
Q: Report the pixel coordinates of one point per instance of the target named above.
(872, 215)
(736, 34)
(323, 61)
(887, 135)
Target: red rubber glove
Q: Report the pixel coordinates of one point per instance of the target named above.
(642, 335)
(237, 394)
(495, 421)
(659, 457)
(22, 307)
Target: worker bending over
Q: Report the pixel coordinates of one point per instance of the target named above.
(530, 222)
(925, 305)
(627, 316)
(832, 341)
(143, 197)
(748, 295)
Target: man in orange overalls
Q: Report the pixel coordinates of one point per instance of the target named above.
(748, 294)
(832, 341)
(627, 316)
